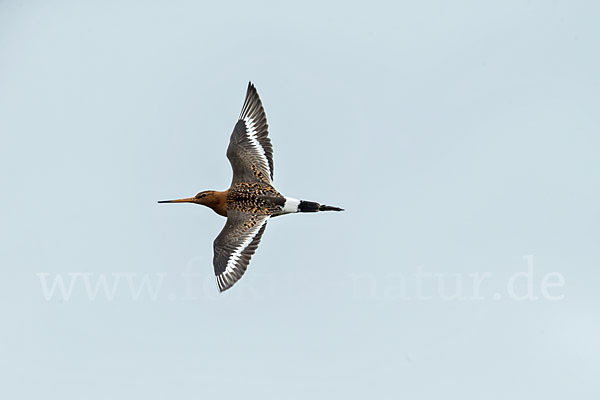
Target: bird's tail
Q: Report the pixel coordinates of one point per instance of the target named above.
(311, 206)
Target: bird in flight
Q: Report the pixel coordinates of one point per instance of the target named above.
(251, 199)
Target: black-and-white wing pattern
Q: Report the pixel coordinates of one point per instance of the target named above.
(235, 245)
(250, 151)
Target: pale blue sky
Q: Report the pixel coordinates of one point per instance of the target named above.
(460, 137)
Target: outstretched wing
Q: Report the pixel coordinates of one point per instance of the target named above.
(250, 151)
(235, 245)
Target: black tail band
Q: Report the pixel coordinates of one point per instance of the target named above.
(311, 206)
(330, 208)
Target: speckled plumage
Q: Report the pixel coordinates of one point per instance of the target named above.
(254, 198)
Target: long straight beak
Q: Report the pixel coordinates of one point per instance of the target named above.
(188, 200)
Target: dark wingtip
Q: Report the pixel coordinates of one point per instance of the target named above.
(251, 91)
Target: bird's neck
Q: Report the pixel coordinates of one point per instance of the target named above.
(217, 201)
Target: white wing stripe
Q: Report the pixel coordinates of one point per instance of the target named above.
(232, 261)
(251, 133)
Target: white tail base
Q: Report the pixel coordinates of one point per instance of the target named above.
(291, 205)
